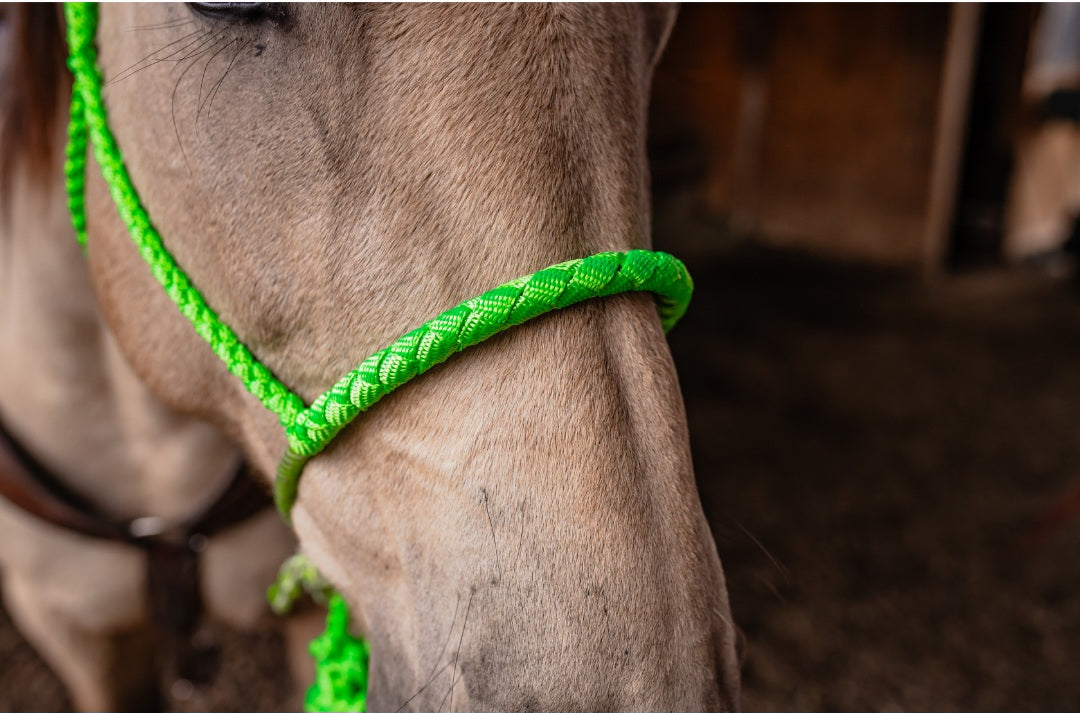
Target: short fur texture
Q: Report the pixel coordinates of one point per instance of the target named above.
(519, 528)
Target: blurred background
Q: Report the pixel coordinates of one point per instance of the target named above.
(881, 367)
(882, 364)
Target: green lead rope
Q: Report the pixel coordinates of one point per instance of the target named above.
(341, 664)
(341, 659)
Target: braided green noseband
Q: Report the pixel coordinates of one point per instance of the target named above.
(310, 429)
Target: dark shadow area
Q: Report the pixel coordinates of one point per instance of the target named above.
(874, 454)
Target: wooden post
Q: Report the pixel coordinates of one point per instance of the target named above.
(953, 105)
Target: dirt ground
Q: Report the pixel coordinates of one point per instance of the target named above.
(871, 451)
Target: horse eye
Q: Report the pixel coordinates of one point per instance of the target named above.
(233, 11)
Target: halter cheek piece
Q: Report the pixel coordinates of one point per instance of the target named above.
(309, 429)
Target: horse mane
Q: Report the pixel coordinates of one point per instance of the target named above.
(34, 79)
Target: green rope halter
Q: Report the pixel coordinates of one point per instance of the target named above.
(310, 429)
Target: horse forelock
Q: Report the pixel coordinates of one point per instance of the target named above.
(34, 80)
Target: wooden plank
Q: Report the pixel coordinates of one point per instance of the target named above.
(954, 99)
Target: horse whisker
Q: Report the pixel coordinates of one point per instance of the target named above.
(494, 542)
(136, 68)
(172, 108)
(776, 563)
(132, 69)
(453, 678)
(217, 87)
(159, 26)
(201, 102)
(434, 666)
(206, 45)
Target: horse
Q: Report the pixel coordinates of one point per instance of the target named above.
(520, 528)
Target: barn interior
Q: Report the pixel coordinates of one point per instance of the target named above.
(880, 205)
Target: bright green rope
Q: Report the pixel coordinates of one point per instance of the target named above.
(310, 429)
(341, 659)
(341, 664)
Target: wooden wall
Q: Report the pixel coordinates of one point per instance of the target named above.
(817, 124)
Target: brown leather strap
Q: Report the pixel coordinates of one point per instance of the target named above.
(28, 484)
(31, 486)
(244, 498)
(172, 556)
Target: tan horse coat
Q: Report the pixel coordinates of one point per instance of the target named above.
(520, 528)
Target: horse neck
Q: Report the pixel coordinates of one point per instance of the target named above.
(66, 391)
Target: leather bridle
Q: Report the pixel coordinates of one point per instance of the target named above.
(172, 552)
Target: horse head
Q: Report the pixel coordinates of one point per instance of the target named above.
(519, 528)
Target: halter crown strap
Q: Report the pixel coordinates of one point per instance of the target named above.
(310, 429)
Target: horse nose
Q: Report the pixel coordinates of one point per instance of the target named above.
(651, 640)
(607, 618)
